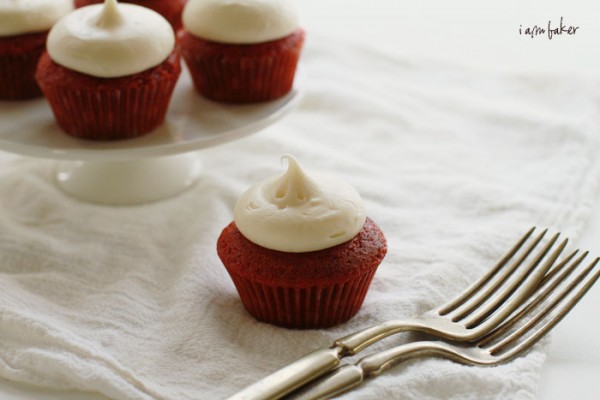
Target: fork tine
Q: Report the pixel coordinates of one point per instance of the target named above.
(479, 299)
(584, 280)
(511, 296)
(481, 282)
(542, 292)
(556, 269)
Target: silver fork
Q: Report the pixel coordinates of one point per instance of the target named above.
(528, 324)
(468, 317)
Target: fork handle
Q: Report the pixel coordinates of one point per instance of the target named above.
(358, 341)
(293, 376)
(321, 361)
(349, 376)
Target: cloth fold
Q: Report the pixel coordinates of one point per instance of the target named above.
(453, 164)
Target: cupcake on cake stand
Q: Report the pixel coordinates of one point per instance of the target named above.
(111, 100)
(152, 167)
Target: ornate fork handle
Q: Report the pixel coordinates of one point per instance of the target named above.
(349, 376)
(321, 361)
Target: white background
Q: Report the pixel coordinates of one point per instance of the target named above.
(477, 33)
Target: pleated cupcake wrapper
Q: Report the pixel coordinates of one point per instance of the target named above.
(110, 114)
(317, 306)
(17, 76)
(244, 80)
(266, 75)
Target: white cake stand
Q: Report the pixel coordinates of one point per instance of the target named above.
(153, 167)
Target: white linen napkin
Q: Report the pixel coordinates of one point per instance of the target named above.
(453, 164)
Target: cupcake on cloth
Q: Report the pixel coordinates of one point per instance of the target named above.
(109, 71)
(241, 51)
(170, 9)
(24, 26)
(301, 250)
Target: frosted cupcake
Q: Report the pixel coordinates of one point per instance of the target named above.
(301, 250)
(170, 9)
(109, 71)
(24, 26)
(241, 51)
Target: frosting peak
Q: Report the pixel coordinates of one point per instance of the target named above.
(299, 212)
(240, 21)
(18, 17)
(294, 188)
(111, 40)
(111, 16)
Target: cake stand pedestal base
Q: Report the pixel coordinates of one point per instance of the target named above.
(128, 182)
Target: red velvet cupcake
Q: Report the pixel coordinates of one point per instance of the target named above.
(170, 9)
(23, 31)
(301, 252)
(241, 51)
(97, 87)
(88, 107)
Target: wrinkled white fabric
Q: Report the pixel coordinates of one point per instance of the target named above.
(453, 164)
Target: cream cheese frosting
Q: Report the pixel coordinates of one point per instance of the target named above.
(240, 21)
(111, 40)
(19, 17)
(298, 211)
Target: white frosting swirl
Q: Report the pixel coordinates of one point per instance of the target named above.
(111, 40)
(297, 212)
(240, 21)
(18, 17)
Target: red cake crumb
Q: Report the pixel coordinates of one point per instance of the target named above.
(303, 290)
(18, 60)
(94, 108)
(242, 73)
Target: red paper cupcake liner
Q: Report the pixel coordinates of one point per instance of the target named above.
(242, 73)
(303, 307)
(170, 9)
(93, 108)
(309, 290)
(19, 57)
